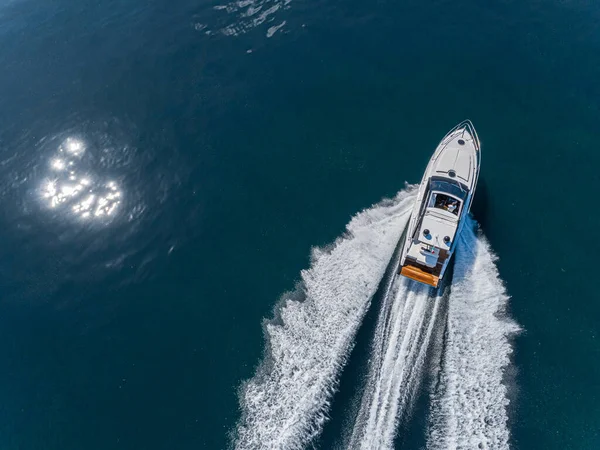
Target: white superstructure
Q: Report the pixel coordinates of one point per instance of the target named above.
(443, 200)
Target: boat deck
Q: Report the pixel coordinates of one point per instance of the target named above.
(427, 275)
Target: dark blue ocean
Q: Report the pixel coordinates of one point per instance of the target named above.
(176, 180)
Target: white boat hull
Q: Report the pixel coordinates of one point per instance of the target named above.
(443, 201)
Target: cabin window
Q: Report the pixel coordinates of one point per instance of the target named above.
(448, 186)
(445, 202)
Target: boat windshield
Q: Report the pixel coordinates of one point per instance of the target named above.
(442, 201)
(455, 189)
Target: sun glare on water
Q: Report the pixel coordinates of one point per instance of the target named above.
(79, 192)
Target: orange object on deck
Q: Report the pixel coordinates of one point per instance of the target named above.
(414, 273)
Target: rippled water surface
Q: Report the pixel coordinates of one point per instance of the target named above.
(172, 171)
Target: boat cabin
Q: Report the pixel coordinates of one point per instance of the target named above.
(432, 243)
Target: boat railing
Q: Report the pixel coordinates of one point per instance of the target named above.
(466, 125)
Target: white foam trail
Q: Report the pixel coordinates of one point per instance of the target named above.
(284, 405)
(403, 333)
(469, 404)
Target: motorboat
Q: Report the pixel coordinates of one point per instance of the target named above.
(443, 202)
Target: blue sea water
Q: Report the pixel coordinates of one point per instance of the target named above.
(166, 168)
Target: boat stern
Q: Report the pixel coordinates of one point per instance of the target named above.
(416, 273)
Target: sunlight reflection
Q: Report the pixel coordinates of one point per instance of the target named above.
(82, 194)
(58, 164)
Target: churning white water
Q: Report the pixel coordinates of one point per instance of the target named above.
(470, 401)
(403, 334)
(284, 404)
(468, 409)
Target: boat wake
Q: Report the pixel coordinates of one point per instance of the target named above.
(403, 335)
(284, 404)
(469, 404)
(468, 408)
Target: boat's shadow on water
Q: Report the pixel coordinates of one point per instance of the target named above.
(480, 206)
